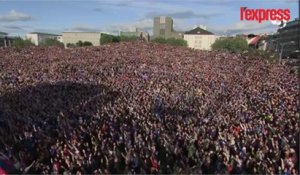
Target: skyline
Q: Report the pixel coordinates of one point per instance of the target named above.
(18, 17)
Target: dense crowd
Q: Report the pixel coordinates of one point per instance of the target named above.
(146, 108)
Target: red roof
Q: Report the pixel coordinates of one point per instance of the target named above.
(255, 40)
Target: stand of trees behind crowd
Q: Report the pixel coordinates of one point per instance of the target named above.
(80, 44)
(106, 38)
(171, 41)
(52, 42)
(239, 45)
(20, 42)
(235, 45)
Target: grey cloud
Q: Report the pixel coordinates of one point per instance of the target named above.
(98, 9)
(146, 28)
(83, 29)
(13, 16)
(52, 31)
(244, 27)
(13, 27)
(128, 4)
(182, 15)
(124, 3)
(291, 1)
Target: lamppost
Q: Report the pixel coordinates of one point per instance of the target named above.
(282, 46)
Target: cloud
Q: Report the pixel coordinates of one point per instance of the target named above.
(98, 9)
(13, 16)
(144, 25)
(83, 28)
(182, 15)
(129, 4)
(51, 31)
(288, 1)
(16, 28)
(124, 3)
(245, 27)
(12, 27)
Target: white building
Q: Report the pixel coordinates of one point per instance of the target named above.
(60, 38)
(199, 38)
(37, 38)
(74, 37)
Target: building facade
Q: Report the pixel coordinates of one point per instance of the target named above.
(74, 37)
(199, 38)
(3, 37)
(60, 38)
(5, 40)
(130, 33)
(37, 38)
(163, 27)
(140, 34)
(288, 38)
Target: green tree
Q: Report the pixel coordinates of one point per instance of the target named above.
(129, 38)
(116, 39)
(176, 42)
(160, 40)
(52, 42)
(71, 45)
(20, 42)
(79, 43)
(87, 43)
(235, 45)
(171, 41)
(105, 38)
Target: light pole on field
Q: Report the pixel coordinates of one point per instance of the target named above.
(282, 46)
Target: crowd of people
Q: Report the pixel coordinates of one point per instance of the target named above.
(131, 108)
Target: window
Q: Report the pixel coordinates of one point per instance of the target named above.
(162, 19)
(199, 45)
(162, 26)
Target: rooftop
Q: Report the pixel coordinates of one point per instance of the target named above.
(290, 24)
(80, 32)
(40, 33)
(198, 31)
(3, 33)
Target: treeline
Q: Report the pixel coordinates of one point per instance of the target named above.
(80, 44)
(239, 45)
(170, 41)
(106, 38)
(20, 43)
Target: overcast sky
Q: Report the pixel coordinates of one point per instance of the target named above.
(17, 17)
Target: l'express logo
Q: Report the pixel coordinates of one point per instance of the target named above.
(276, 16)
